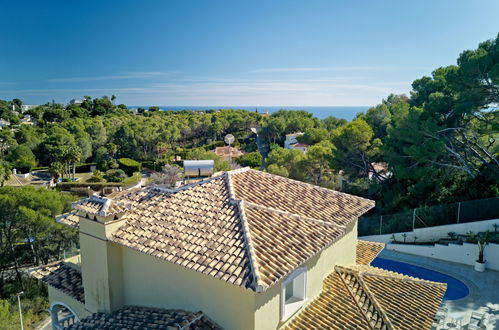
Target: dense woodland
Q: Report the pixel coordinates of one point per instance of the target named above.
(439, 145)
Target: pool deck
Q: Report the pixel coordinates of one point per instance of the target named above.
(484, 287)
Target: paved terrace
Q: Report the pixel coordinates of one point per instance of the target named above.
(484, 287)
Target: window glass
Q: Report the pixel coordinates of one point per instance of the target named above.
(288, 291)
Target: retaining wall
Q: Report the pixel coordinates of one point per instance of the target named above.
(436, 232)
(463, 254)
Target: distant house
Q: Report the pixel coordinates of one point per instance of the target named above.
(76, 102)
(381, 170)
(228, 152)
(4, 123)
(27, 120)
(291, 142)
(240, 250)
(26, 107)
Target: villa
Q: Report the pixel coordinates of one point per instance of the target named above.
(291, 142)
(243, 249)
(4, 123)
(228, 153)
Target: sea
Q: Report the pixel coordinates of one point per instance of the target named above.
(347, 113)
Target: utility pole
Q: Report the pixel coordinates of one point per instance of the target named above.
(20, 310)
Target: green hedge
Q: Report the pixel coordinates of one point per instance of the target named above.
(40, 168)
(84, 167)
(130, 166)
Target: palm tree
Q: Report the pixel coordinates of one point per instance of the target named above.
(57, 170)
(70, 156)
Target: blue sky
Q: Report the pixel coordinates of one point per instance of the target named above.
(274, 53)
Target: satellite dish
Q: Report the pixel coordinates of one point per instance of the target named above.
(229, 138)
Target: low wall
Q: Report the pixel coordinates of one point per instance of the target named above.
(436, 232)
(463, 254)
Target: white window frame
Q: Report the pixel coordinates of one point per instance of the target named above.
(300, 293)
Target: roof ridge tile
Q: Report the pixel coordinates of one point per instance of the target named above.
(258, 284)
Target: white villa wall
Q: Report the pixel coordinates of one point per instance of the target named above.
(463, 254)
(435, 233)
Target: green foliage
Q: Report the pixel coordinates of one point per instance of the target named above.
(22, 158)
(284, 122)
(278, 170)
(331, 123)
(252, 159)
(356, 148)
(130, 166)
(56, 170)
(316, 164)
(96, 177)
(313, 136)
(288, 159)
(115, 175)
(108, 164)
(29, 236)
(5, 172)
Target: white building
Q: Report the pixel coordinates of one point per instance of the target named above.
(3, 124)
(77, 102)
(291, 142)
(26, 107)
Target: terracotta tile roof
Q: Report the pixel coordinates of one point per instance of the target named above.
(365, 297)
(103, 206)
(298, 197)
(223, 226)
(298, 241)
(367, 251)
(62, 277)
(198, 228)
(300, 145)
(132, 317)
(226, 151)
(69, 219)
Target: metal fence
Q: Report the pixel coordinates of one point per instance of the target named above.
(445, 214)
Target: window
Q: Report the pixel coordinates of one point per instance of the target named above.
(294, 293)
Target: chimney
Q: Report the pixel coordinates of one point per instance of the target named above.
(101, 260)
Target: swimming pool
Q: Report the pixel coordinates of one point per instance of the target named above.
(455, 288)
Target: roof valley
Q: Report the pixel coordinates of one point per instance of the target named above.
(368, 307)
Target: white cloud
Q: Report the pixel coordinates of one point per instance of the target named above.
(334, 69)
(242, 92)
(130, 75)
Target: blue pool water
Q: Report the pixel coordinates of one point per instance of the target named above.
(455, 288)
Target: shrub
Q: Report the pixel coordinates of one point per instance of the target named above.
(128, 165)
(109, 164)
(116, 175)
(96, 177)
(278, 170)
(252, 159)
